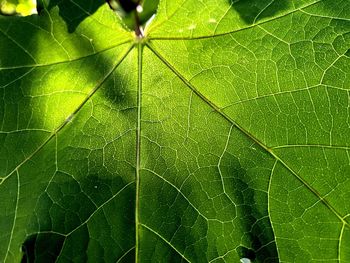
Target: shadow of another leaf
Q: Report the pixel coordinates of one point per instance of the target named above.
(252, 11)
(73, 12)
(42, 248)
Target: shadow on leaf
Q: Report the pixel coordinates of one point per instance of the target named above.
(252, 11)
(28, 96)
(42, 248)
(73, 12)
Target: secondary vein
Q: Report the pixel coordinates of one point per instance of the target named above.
(37, 65)
(235, 30)
(70, 117)
(248, 134)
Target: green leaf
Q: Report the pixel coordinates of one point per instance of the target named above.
(220, 136)
(20, 7)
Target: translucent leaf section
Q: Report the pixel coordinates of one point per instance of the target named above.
(61, 93)
(222, 136)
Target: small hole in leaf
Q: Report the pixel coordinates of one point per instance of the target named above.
(139, 9)
(246, 255)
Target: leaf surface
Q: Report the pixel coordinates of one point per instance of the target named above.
(222, 135)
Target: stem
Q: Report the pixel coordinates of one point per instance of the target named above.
(138, 27)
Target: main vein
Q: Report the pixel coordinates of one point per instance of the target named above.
(138, 142)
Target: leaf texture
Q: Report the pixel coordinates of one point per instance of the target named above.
(222, 134)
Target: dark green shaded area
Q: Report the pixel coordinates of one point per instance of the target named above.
(252, 11)
(76, 12)
(42, 248)
(73, 13)
(211, 188)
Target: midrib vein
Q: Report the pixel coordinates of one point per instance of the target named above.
(138, 143)
(247, 133)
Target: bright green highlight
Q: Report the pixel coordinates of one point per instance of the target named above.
(21, 7)
(221, 135)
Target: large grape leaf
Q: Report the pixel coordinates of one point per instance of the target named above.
(222, 135)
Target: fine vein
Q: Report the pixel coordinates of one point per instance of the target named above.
(166, 241)
(37, 65)
(247, 133)
(14, 217)
(70, 117)
(235, 30)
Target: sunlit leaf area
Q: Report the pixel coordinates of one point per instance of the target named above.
(19, 7)
(175, 131)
